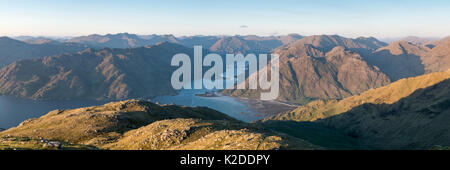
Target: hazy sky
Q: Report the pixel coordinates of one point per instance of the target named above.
(379, 18)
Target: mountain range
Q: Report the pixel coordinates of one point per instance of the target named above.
(219, 44)
(12, 50)
(413, 39)
(402, 59)
(121, 40)
(105, 74)
(312, 67)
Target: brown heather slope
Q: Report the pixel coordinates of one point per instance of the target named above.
(134, 124)
(411, 113)
(318, 67)
(94, 74)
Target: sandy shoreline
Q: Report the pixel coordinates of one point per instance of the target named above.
(265, 109)
(259, 108)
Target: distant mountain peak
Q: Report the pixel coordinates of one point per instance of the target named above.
(327, 42)
(403, 47)
(5, 38)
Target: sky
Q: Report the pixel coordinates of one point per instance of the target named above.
(351, 18)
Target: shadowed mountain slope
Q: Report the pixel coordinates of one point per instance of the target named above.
(400, 59)
(404, 59)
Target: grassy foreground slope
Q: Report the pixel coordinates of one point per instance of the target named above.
(139, 125)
